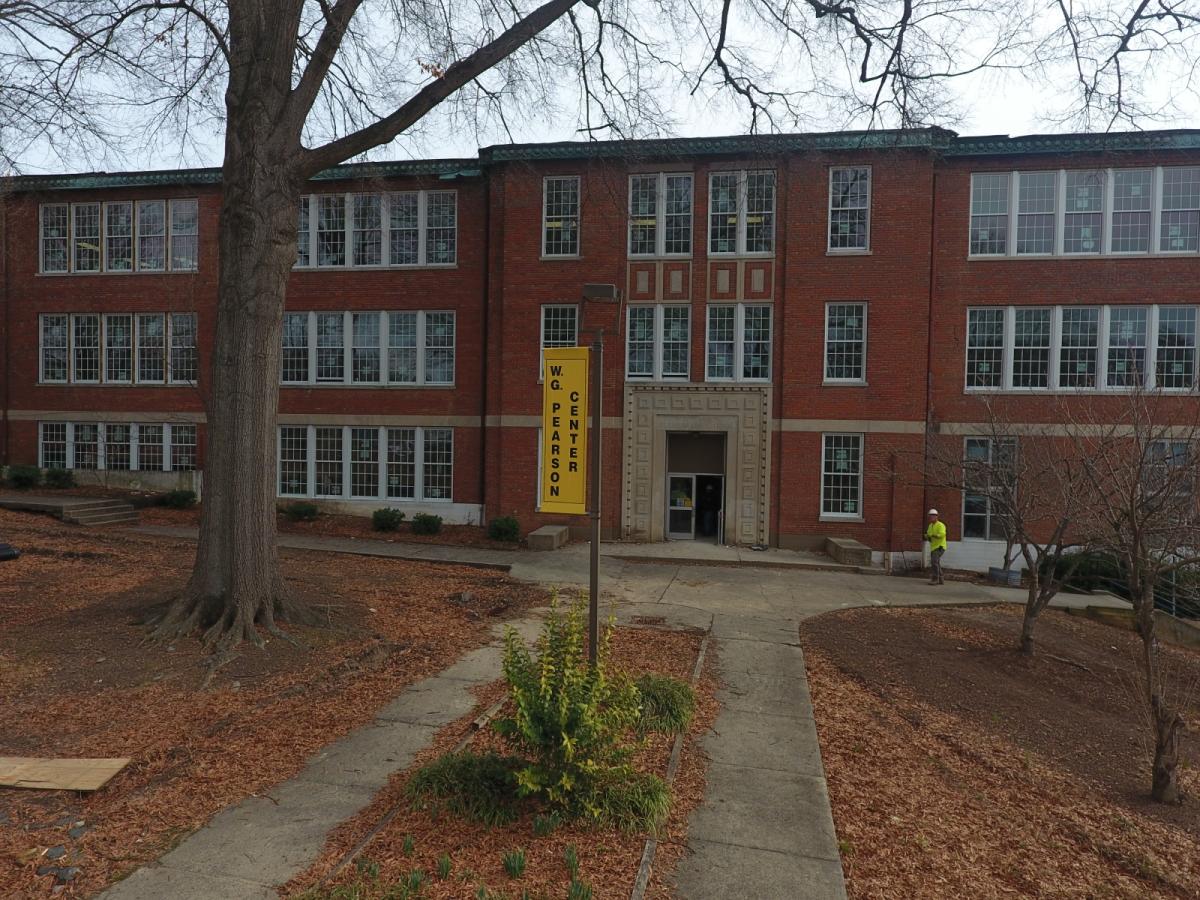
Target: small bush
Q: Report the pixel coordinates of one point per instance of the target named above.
(24, 477)
(386, 519)
(514, 863)
(667, 704)
(504, 528)
(182, 499)
(301, 511)
(480, 788)
(639, 802)
(424, 523)
(60, 478)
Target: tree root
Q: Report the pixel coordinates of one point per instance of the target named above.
(223, 623)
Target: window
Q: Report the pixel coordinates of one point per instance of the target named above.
(985, 460)
(117, 444)
(1179, 231)
(53, 438)
(367, 237)
(151, 348)
(1078, 354)
(294, 359)
(985, 348)
(185, 225)
(118, 348)
(86, 342)
(441, 222)
(55, 340)
(56, 231)
(182, 361)
(404, 228)
(86, 446)
(152, 235)
(658, 339)
(402, 348)
(183, 448)
(118, 236)
(1083, 217)
(439, 348)
(85, 237)
(739, 343)
(405, 223)
(1167, 478)
(660, 215)
(846, 342)
(366, 463)
(741, 213)
(560, 215)
(850, 208)
(560, 325)
(841, 475)
(331, 230)
(1132, 190)
(150, 448)
(304, 234)
(365, 353)
(1036, 199)
(989, 214)
(1082, 348)
(331, 357)
(1031, 351)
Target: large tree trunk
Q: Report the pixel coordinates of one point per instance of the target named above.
(236, 583)
(1164, 719)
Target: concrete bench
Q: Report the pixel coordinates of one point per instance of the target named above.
(848, 551)
(548, 537)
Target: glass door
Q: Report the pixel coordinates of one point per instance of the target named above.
(681, 507)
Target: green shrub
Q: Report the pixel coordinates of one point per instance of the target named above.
(60, 478)
(667, 704)
(386, 519)
(24, 477)
(570, 719)
(301, 511)
(424, 523)
(181, 499)
(514, 863)
(480, 788)
(504, 528)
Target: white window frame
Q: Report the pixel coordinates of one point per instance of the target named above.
(862, 379)
(67, 348)
(578, 216)
(990, 514)
(658, 339)
(1104, 320)
(347, 379)
(660, 216)
(385, 201)
(134, 444)
(862, 449)
(170, 345)
(742, 180)
(135, 262)
(847, 251)
(1154, 245)
(381, 494)
(739, 344)
(574, 307)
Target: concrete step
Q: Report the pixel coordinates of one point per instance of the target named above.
(88, 506)
(848, 551)
(101, 512)
(118, 518)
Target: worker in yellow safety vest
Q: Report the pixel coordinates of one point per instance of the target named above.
(935, 533)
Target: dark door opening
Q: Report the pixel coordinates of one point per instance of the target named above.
(695, 486)
(710, 503)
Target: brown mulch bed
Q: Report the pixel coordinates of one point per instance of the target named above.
(77, 679)
(608, 858)
(958, 768)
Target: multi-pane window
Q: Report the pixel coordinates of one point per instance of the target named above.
(405, 228)
(402, 348)
(560, 215)
(119, 236)
(152, 235)
(55, 343)
(1037, 198)
(85, 341)
(841, 475)
(182, 361)
(185, 235)
(989, 213)
(55, 237)
(366, 463)
(660, 215)
(738, 347)
(152, 344)
(846, 342)
(388, 348)
(1082, 347)
(560, 327)
(1031, 348)
(294, 357)
(439, 348)
(985, 348)
(117, 446)
(1168, 477)
(1179, 230)
(118, 348)
(850, 208)
(741, 212)
(366, 352)
(1083, 216)
(985, 461)
(331, 354)
(85, 237)
(1132, 197)
(658, 338)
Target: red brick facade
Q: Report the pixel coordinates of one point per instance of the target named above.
(915, 277)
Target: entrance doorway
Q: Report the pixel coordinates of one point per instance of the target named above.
(695, 486)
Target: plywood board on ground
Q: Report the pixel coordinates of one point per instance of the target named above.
(58, 774)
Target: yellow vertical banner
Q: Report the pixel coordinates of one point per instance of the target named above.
(565, 430)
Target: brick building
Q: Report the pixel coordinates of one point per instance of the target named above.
(797, 313)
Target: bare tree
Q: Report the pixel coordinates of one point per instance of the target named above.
(1035, 495)
(1143, 467)
(297, 86)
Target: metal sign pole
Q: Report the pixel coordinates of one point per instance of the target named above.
(596, 397)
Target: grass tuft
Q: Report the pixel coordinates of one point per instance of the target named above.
(514, 863)
(544, 825)
(480, 788)
(444, 865)
(638, 804)
(667, 704)
(571, 858)
(579, 890)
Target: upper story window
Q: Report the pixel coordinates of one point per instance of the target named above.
(741, 213)
(118, 348)
(846, 343)
(560, 215)
(404, 228)
(660, 215)
(560, 327)
(1085, 212)
(739, 342)
(850, 208)
(1082, 348)
(119, 236)
(657, 343)
(368, 348)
